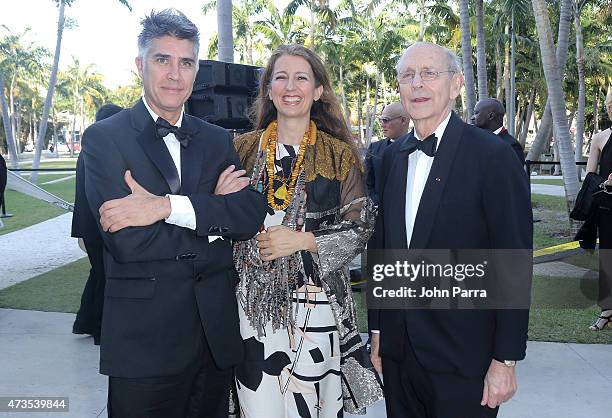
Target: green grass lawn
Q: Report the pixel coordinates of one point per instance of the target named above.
(58, 290)
(28, 211)
(63, 163)
(562, 308)
(562, 311)
(552, 227)
(554, 182)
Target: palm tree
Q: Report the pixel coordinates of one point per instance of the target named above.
(279, 28)
(21, 63)
(225, 31)
(581, 83)
(481, 51)
(552, 73)
(466, 57)
(546, 123)
(42, 131)
(242, 22)
(85, 93)
(320, 13)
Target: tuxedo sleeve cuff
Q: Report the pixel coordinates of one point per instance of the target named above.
(375, 331)
(181, 213)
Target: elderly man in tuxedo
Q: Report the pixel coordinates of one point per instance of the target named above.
(449, 185)
(171, 197)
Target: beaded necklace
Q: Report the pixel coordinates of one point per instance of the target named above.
(285, 192)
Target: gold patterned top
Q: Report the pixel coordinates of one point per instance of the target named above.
(328, 157)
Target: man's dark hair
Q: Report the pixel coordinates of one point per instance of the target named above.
(107, 111)
(168, 22)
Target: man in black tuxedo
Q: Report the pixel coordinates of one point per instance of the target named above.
(170, 201)
(394, 123)
(489, 115)
(85, 226)
(449, 185)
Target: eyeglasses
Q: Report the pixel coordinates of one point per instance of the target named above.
(387, 120)
(426, 75)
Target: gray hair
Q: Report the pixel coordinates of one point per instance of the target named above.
(168, 22)
(453, 61)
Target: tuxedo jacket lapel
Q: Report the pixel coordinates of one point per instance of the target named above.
(192, 157)
(154, 147)
(436, 181)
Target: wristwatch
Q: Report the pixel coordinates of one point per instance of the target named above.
(507, 363)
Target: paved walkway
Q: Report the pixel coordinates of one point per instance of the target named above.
(547, 189)
(40, 357)
(37, 249)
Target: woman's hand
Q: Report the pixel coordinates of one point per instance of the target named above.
(280, 241)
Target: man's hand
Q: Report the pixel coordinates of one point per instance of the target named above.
(231, 181)
(499, 384)
(280, 241)
(374, 352)
(141, 208)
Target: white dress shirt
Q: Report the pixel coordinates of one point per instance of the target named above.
(181, 212)
(419, 166)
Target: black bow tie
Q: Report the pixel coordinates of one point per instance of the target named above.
(163, 128)
(428, 145)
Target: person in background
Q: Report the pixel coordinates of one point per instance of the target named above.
(394, 122)
(489, 115)
(85, 226)
(601, 154)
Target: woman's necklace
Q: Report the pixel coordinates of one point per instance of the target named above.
(285, 191)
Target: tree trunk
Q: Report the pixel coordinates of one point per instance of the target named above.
(525, 131)
(481, 52)
(313, 25)
(546, 124)
(466, 55)
(54, 121)
(422, 13)
(224, 30)
(347, 112)
(581, 89)
(249, 44)
(45, 115)
(499, 72)
(507, 73)
(8, 131)
(367, 113)
(522, 108)
(557, 101)
(596, 111)
(511, 109)
(360, 116)
(373, 114)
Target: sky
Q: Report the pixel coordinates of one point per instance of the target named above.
(105, 34)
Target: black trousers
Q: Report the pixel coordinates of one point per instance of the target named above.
(413, 392)
(89, 317)
(201, 391)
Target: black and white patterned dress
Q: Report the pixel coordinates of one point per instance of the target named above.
(293, 371)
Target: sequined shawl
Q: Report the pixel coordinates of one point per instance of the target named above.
(341, 217)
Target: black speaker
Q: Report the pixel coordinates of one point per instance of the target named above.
(223, 92)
